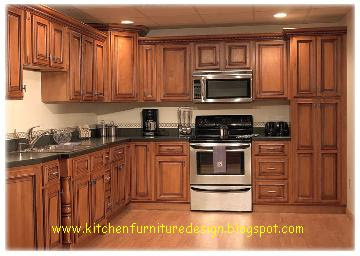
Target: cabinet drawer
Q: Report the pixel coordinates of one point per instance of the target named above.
(118, 153)
(271, 191)
(271, 148)
(107, 181)
(271, 168)
(97, 161)
(51, 172)
(81, 165)
(172, 149)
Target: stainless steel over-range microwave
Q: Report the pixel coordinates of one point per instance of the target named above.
(222, 86)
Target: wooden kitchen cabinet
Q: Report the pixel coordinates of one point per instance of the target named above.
(87, 68)
(57, 46)
(271, 70)
(174, 72)
(14, 58)
(98, 197)
(142, 172)
(74, 76)
(317, 139)
(24, 208)
(40, 41)
(99, 71)
(147, 73)
(123, 65)
(172, 178)
(237, 55)
(207, 56)
(316, 65)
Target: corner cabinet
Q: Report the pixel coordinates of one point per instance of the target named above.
(317, 172)
(14, 44)
(271, 70)
(316, 65)
(174, 72)
(123, 66)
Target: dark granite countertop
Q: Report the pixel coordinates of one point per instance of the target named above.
(15, 159)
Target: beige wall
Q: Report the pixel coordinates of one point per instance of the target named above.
(22, 114)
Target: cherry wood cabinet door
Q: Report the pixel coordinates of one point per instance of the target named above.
(328, 65)
(24, 217)
(207, 56)
(100, 70)
(123, 66)
(142, 176)
(87, 68)
(52, 215)
(174, 72)
(97, 197)
(237, 55)
(82, 202)
(75, 58)
(303, 66)
(271, 70)
(118, 183)
(147, 73)
(57, 46)
(14, 56)
(41, 41)
(172, 178)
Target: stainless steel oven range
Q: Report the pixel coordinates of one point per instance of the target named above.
(220, 163)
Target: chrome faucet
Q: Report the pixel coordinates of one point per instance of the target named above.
(32, 139)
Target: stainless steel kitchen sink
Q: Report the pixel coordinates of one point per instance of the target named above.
(61, 148)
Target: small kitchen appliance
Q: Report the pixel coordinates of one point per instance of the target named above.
(273, 129)
(150, 122)
(184, 121)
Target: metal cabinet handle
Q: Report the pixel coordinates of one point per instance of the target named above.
(271, 191)
(55, 173)
(271, 168)
(107, 178)
(23, 87)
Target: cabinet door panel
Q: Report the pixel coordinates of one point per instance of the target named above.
(172, 178)
(87, 69)
(237, 55)
(304, 177)
(329, 117)
(100, 70)
(57, 43)
(207, 56)
(82, 205)
(147, 73)
(23, 208)
(174, 72)
(97, 198)
(123, 71)
(303, 66)
(40, 40)
(14, 53)
(304, 125)
(329, 177)
(271, 70)
(75, 65)
(52, 215)
(328, 65)
(142, 173)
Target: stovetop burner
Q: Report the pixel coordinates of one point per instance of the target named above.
(239, 128)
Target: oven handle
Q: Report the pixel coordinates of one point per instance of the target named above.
(206, 146)
(241, 190)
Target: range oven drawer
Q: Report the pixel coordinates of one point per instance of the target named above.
(221, 198)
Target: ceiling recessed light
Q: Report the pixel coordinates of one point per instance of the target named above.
(127, 22)
(280, 15)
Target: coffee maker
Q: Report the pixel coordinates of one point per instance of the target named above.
(150, 122)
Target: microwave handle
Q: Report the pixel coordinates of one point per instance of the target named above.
(203, 89)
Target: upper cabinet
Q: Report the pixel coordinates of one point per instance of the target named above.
(45, 44)
(123, 63)
(222, 55)
(147, 73)
(14, 56)
(316, 65)
(87, 69)
(174, 72)
(271, 70)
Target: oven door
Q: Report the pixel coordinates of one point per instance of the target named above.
(238, 164)
(227, 89)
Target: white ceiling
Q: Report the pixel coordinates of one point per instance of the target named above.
(181, 16)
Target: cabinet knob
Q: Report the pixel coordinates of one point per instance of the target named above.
(24, 87)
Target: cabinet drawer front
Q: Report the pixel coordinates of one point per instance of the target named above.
(163, 149)
(97, 161)
(118, 153)
(81, 165)
(271, 191)
(271, 148)
(271, 168)
(51, 172)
